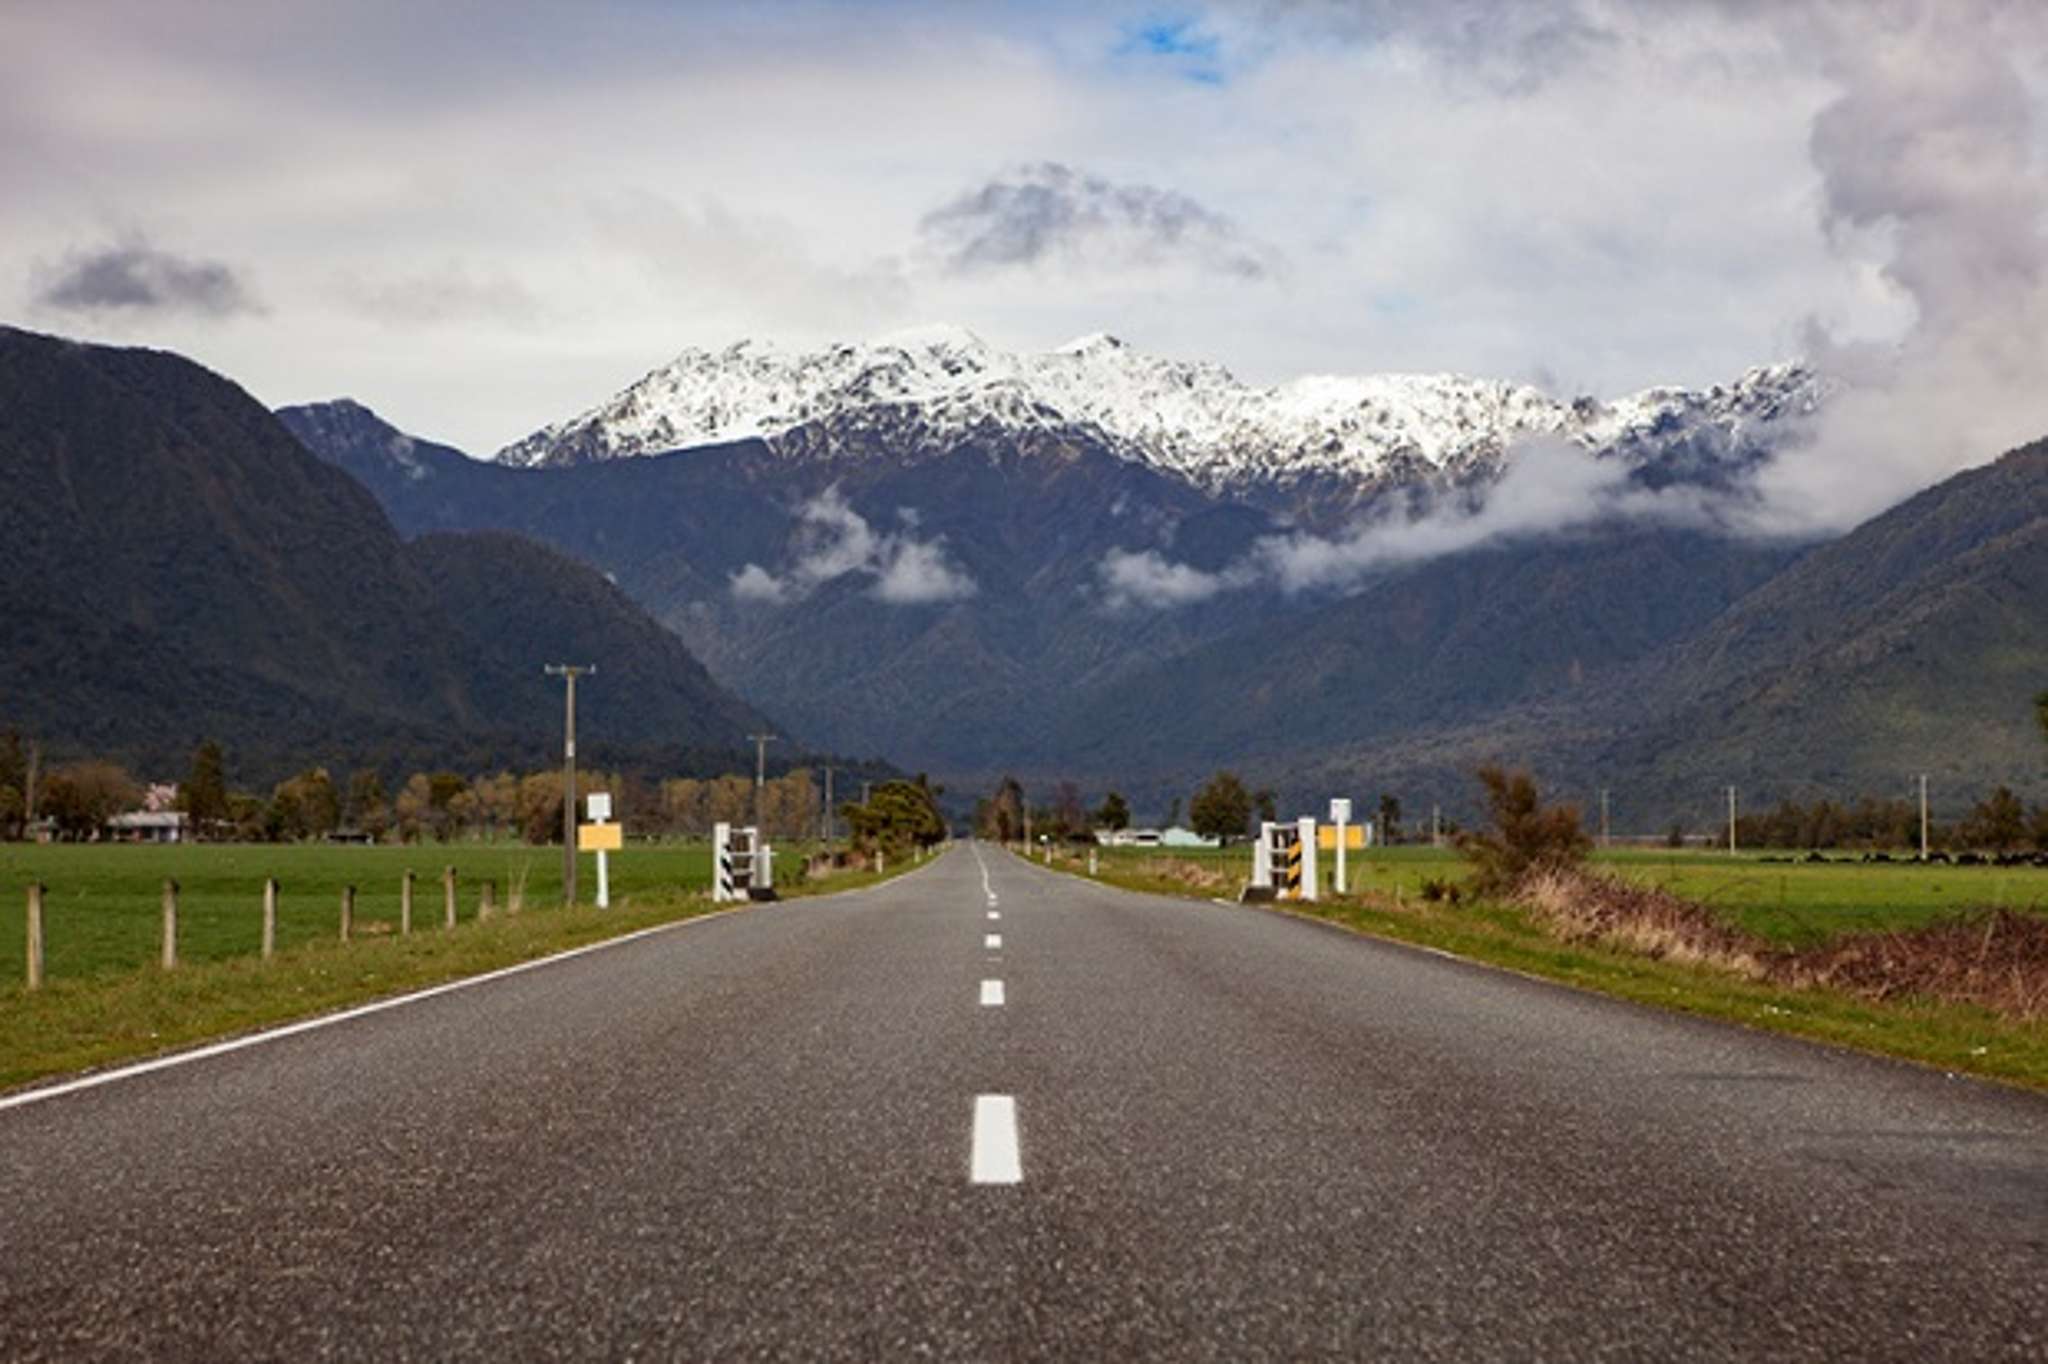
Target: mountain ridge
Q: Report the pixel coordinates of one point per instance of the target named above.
(184, 569)
(937, 390)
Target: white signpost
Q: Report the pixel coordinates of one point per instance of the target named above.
(598, 805)
(1340, 815)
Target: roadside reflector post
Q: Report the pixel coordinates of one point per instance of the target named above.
(269, 917)
(348, 911)
(448, 897)
(35, 935)
(1340, 815)
(724, 879)
(405, 905)
(487, 903)
(170, 954)
(1091, 862)
(603, 838)
(1262, 857)
(1306, 841)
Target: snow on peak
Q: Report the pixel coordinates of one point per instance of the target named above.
(929, 390)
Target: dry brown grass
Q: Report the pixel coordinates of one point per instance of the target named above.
(1580, 906)
(1995, 959)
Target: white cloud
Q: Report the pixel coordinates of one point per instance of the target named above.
(1550, 487)
(833, 540)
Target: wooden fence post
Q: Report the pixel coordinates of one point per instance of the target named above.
(348, 911)
(170, 956)
(405, 905)
(35, 935)
(448, 897)
(269, 917)
(488, 905)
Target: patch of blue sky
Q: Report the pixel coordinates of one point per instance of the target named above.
(1195, 53)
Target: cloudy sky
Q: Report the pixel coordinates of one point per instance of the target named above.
(480, 217)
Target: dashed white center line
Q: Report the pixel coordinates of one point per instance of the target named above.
(993, 942)
(991, 994)
(995, 1158)
(993, 914)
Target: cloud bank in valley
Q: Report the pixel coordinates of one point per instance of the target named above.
(834, 540)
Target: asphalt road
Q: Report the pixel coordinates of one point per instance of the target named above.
(1230, 1134)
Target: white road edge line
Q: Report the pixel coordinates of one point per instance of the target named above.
(329, 1020)
(991, 994)
(993, 942)
(995, 1140)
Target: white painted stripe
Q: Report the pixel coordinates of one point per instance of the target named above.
(993, 915)
(992, 994)
(993, 942)
(995, 1140)
(329, 1020)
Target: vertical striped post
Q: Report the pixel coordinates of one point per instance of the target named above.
(269, 917)
(35, 935)
(448, 897)
(170, 954)
(405, 905)
(348, 911)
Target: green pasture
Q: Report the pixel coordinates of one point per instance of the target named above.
(1801, 903)
(1794, 903)
(102, 910)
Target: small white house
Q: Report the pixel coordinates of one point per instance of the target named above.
(148, 826)
(1134, 838)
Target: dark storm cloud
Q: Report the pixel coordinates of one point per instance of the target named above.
(1051, 213)
(136, 277)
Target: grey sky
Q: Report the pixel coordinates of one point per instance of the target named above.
(481, 218)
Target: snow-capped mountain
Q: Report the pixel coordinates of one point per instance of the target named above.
(933, 390)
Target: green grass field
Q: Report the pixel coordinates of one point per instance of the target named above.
(1793, 903)
(104, 1001)
(102, 909)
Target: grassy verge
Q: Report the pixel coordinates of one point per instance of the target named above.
(1953, 1037)
(96, 1020)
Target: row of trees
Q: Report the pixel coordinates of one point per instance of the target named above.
(80, 798)
(2000, 822)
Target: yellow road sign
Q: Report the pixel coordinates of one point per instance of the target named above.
(1354, 837)
(600, 837)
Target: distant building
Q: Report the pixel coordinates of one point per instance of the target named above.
(1177, 837)
(1131, 838)
(149, 826)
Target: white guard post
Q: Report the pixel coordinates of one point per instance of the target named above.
(764, 861)
(598, 805)
(1340, 815)
(1262, 857)
(1307, 825)
(732, 868)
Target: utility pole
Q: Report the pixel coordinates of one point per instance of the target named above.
(1436, 826)
(569, 672)
(828, 803)
(761, 742)
(1731, 821)
(1603, 817)
(1923, 816)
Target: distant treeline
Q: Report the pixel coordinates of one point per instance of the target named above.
(2000, 822)
(78, 799)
